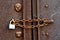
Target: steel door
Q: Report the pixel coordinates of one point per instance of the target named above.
(7, 12)
(30, 17)
(47, 9)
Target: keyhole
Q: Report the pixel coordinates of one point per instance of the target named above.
(12, 22)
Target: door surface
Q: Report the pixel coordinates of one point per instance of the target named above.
(30, 13)
(7, 12)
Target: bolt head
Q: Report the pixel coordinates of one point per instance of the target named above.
(46, 6)
(18, 34)
(17, 7)
(47, 34)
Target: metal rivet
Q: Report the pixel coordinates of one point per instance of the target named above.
(18, 34)
(46, 6)
(17, 7)
(47, 34)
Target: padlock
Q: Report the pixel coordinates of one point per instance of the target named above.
(12, 24)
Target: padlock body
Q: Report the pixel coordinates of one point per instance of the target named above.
(11, 26)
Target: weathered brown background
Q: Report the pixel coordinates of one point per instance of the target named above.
(30, 8)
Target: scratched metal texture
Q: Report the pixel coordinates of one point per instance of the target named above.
(46, 12)
(53, 29)
(7, 12)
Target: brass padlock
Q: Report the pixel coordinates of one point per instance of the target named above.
(12, 24)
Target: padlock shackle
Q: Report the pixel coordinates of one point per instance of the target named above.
(12, 21)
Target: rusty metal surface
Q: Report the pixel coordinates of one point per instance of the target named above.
(7, 12)
(46, 8)
(27, 16)
(34, 16)
(53, 8)
(32, 9)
